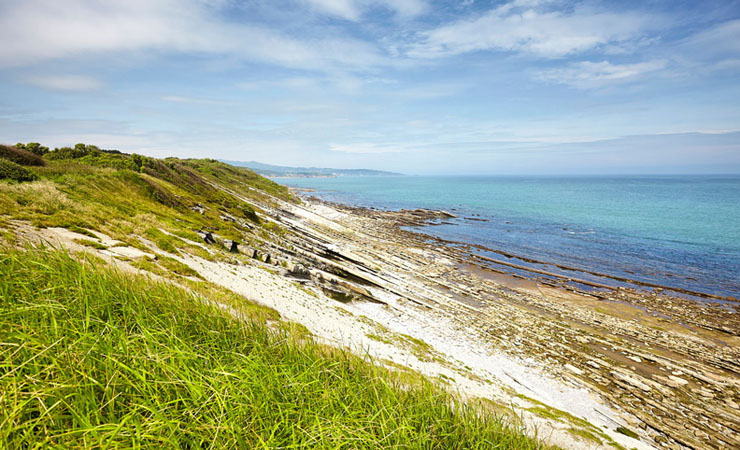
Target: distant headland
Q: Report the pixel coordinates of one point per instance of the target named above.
(272, 171)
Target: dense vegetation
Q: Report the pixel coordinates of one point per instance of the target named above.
(20, 156)
(12, 171)
(92, 358)
(128, 196)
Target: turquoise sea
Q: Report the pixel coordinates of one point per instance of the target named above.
(675, 231)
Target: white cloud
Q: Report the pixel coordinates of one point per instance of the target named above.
(193, 100)
(714, 49)
(283, 83)
(37, 30)
(353, 9)
(721, 40)
(407, 8)
(65, 82)
(587, 74)
(532, 27)
(346, 9)
(366, 147)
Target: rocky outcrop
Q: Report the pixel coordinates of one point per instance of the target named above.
(234, 247)
(297, 270)
(670, 363)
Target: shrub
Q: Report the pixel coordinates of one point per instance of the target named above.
(33, 147)
(65, 153)
(12, 171)
(78, 151)
(20, 156)
(249, 213)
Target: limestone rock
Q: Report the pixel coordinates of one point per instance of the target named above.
(574, 369)
(674, 381)
(631, 381)
(298, 270)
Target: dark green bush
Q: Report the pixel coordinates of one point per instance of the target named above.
(79, 151)
(12, 171)
(33, 147)
(20, 156)
(65, 153)
(249, 213)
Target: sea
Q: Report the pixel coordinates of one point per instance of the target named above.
(673, 231)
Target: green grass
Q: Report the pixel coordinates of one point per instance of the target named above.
(417, 347)
(80, 230)
(89, 243)
(124, 196)
(163, 241)
(585, 435)
(627, 432)
(93, 358)
(581, 427)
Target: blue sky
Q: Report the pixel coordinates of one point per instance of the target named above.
(416, 86)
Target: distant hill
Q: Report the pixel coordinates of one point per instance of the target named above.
(270, 170)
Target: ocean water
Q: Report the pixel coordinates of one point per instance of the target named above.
(675, 231)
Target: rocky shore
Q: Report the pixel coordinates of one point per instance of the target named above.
(669, 364)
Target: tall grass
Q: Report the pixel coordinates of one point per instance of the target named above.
(93, 358)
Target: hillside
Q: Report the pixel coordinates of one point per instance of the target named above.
(270, 170)
(120, 329)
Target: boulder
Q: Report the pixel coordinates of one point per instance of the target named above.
(298, 270)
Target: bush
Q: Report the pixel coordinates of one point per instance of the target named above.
(12, 171)
(78, 151)
(249, 213)
(65, 153)
(20, 156)
(33, 147)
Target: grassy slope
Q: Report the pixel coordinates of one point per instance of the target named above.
(109, 193)
(93, 358)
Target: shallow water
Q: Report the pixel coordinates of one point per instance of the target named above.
(676, 231)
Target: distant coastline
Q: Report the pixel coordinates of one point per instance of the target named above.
(273, 171)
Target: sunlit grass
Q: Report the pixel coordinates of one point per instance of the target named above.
(93, 358)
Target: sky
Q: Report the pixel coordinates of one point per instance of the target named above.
(412, 86)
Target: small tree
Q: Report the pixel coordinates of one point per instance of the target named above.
(36, 148)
